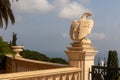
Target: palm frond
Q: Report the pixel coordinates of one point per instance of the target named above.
(11, 16)
(5, 16)
(1, 22)
(6, 13)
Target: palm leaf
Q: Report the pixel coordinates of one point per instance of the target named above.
(5, 16)
(1, 6)
(6, 13)
(1, 22)
(11, 16)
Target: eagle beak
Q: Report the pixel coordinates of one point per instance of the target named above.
(89, 14)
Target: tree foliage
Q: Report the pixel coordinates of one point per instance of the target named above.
(34, 55)
(59, 60)
(4, 49)
(41, 57)
(112, 59)
(113, 63)
(14, 39)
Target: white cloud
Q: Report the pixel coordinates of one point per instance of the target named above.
(65, 35)
(72, 10)
(59, 4)
(86, 1)
(98, 36)
(33, 6)
(64, 8)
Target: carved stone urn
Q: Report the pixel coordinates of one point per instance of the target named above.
(17, 50)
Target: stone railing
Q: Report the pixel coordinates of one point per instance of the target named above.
(21, 65)
(69, 73)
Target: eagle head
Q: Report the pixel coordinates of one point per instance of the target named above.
(85, 15)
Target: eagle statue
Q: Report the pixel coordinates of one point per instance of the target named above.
(81, 28)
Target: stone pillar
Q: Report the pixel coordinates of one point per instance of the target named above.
(81, 55)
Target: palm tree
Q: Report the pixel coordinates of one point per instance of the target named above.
(6, 13)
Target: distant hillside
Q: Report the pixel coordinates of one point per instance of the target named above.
(6, 49)
(41, 57)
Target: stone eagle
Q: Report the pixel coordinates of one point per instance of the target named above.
(81, 28)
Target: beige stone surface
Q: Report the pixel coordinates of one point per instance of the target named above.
(17, 50)
(81, 28)
(81, 55)
(68, 73)
(21, 65)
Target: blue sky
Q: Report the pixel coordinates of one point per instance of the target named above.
(43, 25)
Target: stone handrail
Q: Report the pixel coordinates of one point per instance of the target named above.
(69, 73)
(21, 65)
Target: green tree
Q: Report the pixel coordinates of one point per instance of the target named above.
(4, 49)
(112, 59)
(112, 63)
(59, 60)
(41, 57)
(34, 55)
(14, 39)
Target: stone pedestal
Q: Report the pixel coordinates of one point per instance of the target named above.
(81, 55)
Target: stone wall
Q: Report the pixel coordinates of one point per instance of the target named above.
(21, 64)
(68, 73)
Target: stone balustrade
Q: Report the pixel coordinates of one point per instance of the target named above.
(69, 73)
(21, 65)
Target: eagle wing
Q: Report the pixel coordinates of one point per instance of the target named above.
(74, 30)
(85, 28)
(91, 24)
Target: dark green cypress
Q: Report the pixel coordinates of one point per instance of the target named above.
(14, 39)
(112, 59)
(112, 63)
